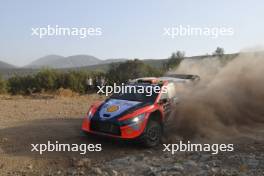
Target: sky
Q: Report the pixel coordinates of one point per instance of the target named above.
(130, 28)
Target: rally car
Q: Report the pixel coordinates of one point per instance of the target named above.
(134, 115)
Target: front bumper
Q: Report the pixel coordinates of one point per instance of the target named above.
(114, 130)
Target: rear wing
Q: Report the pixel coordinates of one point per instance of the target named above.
(182, 76)
(179, 78)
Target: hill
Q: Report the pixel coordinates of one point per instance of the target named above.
(102, 65)
(4, 65)
(61, 62)
(56, 61)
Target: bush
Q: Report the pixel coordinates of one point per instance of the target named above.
(46, 80)
(61, 92)
(76, 81)
(2, 85)
(49, 81)
(21, 85)
(122, 72)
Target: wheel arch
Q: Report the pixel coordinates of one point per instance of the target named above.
(156, 116)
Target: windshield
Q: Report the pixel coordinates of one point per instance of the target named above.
(142, 93)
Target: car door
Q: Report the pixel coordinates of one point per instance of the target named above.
(166, 104)
(168, 98)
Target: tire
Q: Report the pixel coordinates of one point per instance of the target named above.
(83, 134)
(152, 134)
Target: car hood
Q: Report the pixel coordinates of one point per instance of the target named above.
(113, 108)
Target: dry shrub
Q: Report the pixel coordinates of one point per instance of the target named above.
(61, 92)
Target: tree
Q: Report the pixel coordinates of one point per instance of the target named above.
(175, 60)
(46, 80)
(180, 54)
(219, 52)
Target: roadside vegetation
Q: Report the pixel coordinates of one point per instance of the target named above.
(81, 81)
(51, 80)
(174, 60)
(2, 85)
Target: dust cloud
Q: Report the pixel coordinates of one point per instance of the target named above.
(226, 103)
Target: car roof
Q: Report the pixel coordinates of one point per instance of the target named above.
(176, 78)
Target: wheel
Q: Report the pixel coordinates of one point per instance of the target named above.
(83, 134)
(152, 134)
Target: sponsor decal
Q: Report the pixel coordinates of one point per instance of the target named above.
(112, 108)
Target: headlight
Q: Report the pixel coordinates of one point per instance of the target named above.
(90, 115)
(135, 120)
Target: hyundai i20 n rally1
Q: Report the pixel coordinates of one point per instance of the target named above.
(133, 115)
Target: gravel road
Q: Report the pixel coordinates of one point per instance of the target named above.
(37, 120)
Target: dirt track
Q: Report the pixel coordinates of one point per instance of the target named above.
(25, 121)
